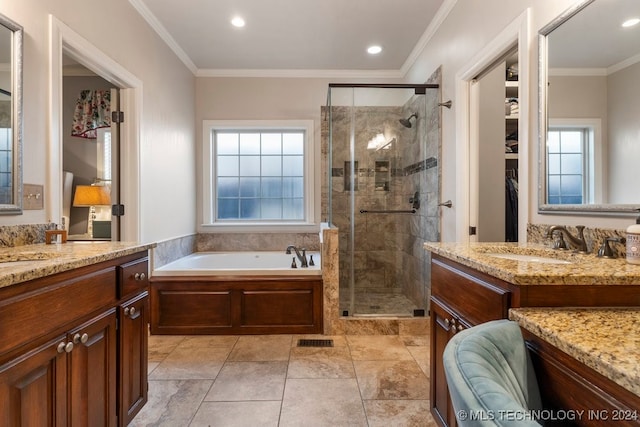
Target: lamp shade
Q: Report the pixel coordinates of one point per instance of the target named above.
(91, 195)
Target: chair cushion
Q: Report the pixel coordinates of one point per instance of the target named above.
(490, 376)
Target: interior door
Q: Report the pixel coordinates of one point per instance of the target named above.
(491, 166)
(115, 164)
(487, 156)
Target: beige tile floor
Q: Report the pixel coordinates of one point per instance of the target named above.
(268, 380)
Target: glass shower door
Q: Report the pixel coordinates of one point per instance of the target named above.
(379, 189)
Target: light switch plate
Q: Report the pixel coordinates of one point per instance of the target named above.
(32, 197)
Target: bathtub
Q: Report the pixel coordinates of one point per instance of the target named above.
(239, 264)
(236, 293)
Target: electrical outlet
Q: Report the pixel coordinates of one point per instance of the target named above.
(32, 197)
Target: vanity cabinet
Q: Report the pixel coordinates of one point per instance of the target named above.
(569, 383)
(462, 297)
(459, 300)
(64, 343)
(92, 367)
(132, 357)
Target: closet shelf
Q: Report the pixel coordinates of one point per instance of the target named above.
(511, 156)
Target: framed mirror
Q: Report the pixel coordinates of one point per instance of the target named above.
(10, 117)
(590, 109)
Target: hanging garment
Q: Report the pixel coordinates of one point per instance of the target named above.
(93, 111)
(511, 211)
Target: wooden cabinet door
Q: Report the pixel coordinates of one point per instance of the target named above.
(92, 371)
(134, 330)
(442, 329)
(33, 386)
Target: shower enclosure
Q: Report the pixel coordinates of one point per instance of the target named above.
(382, 147)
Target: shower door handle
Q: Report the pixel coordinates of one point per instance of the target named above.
(386, 212)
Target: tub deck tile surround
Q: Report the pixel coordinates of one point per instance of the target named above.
(333, 322)
(606, 340)
(582, 269)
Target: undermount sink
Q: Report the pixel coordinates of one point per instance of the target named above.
(530, 258)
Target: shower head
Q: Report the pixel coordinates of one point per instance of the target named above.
(407, 122)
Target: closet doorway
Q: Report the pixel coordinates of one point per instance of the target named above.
(494, 180)
(90, 141)
(516, 35)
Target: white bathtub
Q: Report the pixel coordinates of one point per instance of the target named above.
(239, 264)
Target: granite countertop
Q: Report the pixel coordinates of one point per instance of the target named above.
(606, 340)
(21, 263)
(580, 269)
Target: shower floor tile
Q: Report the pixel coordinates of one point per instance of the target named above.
(378, 303)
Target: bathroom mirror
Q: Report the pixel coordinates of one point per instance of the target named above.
(10, 117)
(589, 109)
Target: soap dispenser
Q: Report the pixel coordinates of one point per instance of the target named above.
(633, 242)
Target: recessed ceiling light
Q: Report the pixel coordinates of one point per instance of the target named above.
(374, 50)
(237, 22)
(631, 22)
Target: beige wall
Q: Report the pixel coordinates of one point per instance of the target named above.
(167, 147)
(168, 154)
(624, 134)
(470, 26)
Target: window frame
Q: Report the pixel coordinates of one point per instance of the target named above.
(594, 161)
(209, 191)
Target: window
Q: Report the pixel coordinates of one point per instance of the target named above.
(258, 173)
(6, 166)
(569, 168)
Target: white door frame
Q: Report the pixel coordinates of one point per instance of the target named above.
(517, 32)
(63, 40)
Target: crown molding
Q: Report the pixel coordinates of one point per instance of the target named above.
(151, 19)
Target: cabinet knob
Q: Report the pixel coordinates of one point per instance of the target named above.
(460, 327)
(77, 338)
(65, 347)
(447, 322)
(139, 276)
(129, 311)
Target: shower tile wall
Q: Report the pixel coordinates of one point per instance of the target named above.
(420, 176)
(388, 255)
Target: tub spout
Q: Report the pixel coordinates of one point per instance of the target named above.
(301, 256)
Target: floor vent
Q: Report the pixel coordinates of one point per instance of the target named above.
(315, 343)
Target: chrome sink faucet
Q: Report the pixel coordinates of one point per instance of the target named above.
(577, 242)
(301, 256)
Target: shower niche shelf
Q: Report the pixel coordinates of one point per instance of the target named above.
(382, 175)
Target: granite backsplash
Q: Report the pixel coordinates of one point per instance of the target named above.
(537, 233)
(26, 234)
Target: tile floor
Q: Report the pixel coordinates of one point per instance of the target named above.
(269, 381)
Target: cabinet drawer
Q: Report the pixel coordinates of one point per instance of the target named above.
(31, 315)
(474, 299)
(133, 277)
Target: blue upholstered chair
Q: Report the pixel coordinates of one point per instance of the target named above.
(490, 376)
